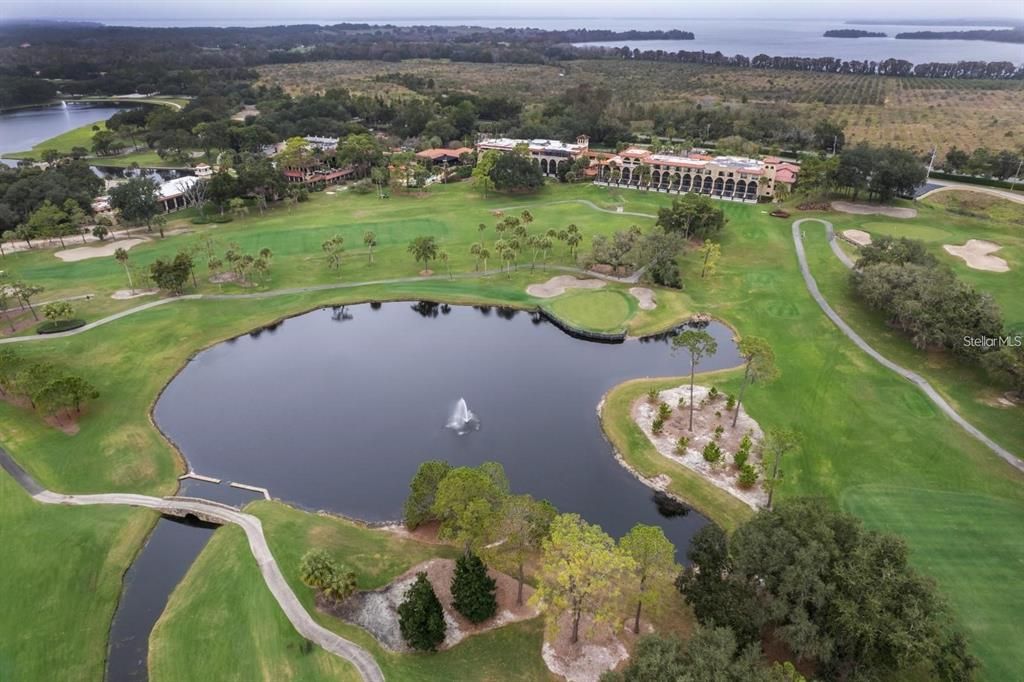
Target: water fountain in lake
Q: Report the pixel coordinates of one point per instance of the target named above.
(462, 420)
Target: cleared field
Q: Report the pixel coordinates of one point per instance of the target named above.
(909, 112)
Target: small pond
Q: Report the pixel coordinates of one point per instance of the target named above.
(336, 408)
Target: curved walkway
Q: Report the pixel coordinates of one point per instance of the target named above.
(588, 204)
(272, 576)
(914, 377)
(632, 279)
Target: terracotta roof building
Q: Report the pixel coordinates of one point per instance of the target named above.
(443, 156)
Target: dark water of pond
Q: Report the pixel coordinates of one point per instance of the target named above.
(335, 409)
(21, 129)
(161, 564)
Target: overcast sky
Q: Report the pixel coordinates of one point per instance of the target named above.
(296, 11)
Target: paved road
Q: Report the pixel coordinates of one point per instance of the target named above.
(946, 185)
(272, 576)
(913, 377)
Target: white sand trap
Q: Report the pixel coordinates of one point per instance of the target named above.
(857, 237)
(556, 286)
(87, 252)
(976, 254)
(125, 294)
(645, 296)
(873, 209)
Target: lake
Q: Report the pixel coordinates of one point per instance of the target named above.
(336, 409)
(22, 129)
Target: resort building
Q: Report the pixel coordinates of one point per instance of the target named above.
(723, 177)
(443, 157)
(173, 195)
(315, 174)
(547, 154)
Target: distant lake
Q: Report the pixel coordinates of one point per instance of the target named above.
(22, 129)
(805, 39)
(774, 37)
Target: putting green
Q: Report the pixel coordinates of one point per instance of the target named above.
(605, 310)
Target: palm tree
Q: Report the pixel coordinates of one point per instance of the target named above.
(122, 257)
(423, 248)
(573, 237)
(370, 240)
(484, 255)
(474, 250)
(443, 255)
(700, 344)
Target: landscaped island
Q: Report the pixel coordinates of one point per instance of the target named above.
(1009, 35)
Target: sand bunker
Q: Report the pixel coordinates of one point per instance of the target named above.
(976, 254)
(87, 252)
(556, 286)
(873, 209)
(857, 237)
(125, 294)
(645, 296)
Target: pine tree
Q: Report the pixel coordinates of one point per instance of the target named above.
(472, 589)
(420, 617)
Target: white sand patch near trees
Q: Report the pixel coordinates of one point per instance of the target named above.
(597, 651)
(645, 296)
(376, 611)
(87, 252)
(976, 253)
(857, 237)
(125, 294)
(873, 209)
(556, 286)
(708, 415)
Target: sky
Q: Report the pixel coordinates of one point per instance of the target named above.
(219, 12)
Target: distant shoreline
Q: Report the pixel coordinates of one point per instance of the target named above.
(853, 33)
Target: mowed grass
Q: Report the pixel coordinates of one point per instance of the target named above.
(602, 310)
(60, 581)
(221, 623)
(860, 424)
(938, 520)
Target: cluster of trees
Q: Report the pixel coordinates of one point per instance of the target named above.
(49, 389)
(513, 238)
(880, 172)
(935, 308)
(583, 571)
(828, 589)
(982, 161)
(333, 581)
(50, 221)
(999, 70)
(24, 189)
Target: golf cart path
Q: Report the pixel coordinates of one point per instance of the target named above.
(632, 279)
(947, 185)
(207, 509)
(913, 377)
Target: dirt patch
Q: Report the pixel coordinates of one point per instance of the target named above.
(556, 286)
(873, 209)
(857, 237)
(709, 414)
(377, 611)
(125, 294)
(976, 253)
(425, 532)
(87, 252)
(610, 271)
(230, 278)
(598, 650)
(645, 296)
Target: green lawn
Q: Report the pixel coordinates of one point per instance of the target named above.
(222, 624)
(605, 310)
(862, 427)
(60, 582)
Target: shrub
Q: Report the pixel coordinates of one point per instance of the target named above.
(362, 187)
(657, 425)
(712, 452)
(719, 430)
(730, 402)
(746, 443)
(682, 444)
(420, 616)
(718, 414)
(713, 393)
(54, 326)
(664, 411)
(319, 571)
(473, 590)
(652, 395)
(748, 476)
(740, 458)
(681, 402)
